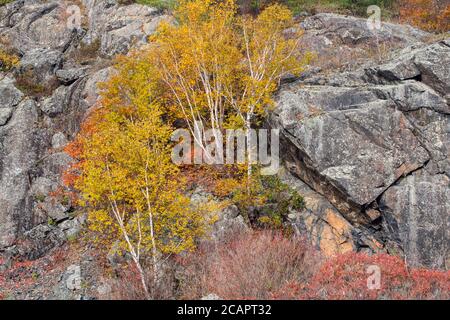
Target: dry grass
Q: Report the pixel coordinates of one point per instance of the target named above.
(28, 84)
(86, 53)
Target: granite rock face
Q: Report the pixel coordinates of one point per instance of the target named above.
(323, 225)
(374, 141)
(18, 154)
(353, 31)
(66, 61)
(347, 41)
(416, 212)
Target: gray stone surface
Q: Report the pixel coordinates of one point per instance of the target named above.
(359, 137)
(10, 96)
(18, 155)
(418, 214)
(34, 131)
(118, 28)
(59, 140)
(35, 24)
(357, 142)
(429, 63)
(67, 76)
(229, 223)
(5, 115)
(355, 31)
(323, 224)
(41, 64)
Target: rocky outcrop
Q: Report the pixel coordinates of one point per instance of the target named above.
(347, 42)
(374, 142)
(227, 220)
(118, 28)
(18, 154)
(63, 63)
(352, 31)
(367, 146)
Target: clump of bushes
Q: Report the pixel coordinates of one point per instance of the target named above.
(159, 4)
(125, 284)
(249, 266)
(355, 7)
(359, 7)
(346, 277)
(265, 202)
(279, 200)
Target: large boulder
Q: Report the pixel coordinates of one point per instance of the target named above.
(40, 65)
(425, 63)
(355, 31)
(354, 141)
(323, 224)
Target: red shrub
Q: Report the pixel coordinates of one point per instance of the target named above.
(346, 277)
(247, 267)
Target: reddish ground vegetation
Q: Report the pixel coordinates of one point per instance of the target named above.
(256, 265)
(346, 277)
(25, 274)
(249, 266)
(126, 284)
(267, 265)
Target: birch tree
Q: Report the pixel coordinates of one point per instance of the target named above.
(132, 189)
(221, 69)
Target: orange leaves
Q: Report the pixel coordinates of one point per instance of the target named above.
(430, 15)
(76, 148)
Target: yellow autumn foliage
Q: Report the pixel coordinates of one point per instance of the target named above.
(220, 68)
(127, 170)
(7, 60)
(210, 66)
